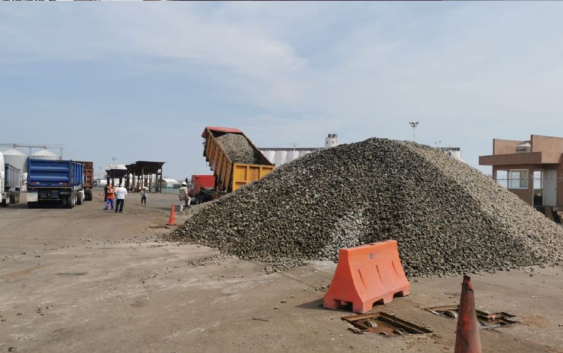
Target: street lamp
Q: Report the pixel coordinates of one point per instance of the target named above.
(294, 145)
(414, 124)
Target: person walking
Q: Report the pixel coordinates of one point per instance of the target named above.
(110, 196)
(144, 196)
(106, 188)
(120, 194)
(183, 191)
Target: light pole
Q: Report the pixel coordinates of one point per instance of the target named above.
(294, 145)
(414, 124)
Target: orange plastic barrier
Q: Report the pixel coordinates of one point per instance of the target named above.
(172, 218)
(366, 275)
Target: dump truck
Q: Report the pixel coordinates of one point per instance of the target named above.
(88, 179)
(10, 183)
(55, 182)
(230, 175)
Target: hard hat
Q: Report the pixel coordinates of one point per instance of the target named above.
(184, 183)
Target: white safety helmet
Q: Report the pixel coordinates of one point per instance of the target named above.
(184, 183)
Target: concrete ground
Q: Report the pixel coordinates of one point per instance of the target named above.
(87, 280)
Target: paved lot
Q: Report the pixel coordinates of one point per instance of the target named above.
(85, 280)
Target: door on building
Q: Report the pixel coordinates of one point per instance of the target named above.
(550, 188)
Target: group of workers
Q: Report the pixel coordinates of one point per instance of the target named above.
(112, 193)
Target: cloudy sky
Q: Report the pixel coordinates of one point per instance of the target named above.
(140, 81)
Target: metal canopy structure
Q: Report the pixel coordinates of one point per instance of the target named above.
(112, 174)
(142, 173)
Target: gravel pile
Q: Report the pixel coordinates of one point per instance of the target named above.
(238, 149)
(447, 217)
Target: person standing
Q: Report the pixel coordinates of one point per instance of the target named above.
(120, 194)
(110, 196)
(144, 196)
(184, 194)
(106, 188)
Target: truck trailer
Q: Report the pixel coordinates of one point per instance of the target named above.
(55, 182)
(10, 183)
(88, 179)
(229, 175)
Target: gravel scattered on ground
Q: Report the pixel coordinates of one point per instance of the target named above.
(447, 217)
(238, 149)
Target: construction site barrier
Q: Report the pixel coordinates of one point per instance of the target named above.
(366, 275)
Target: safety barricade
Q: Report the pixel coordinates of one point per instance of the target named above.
(366, 275)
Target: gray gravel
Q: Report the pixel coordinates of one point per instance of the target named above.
(238, 149)
(447, 217)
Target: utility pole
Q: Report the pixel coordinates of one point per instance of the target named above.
(294, 145)
(414, 124)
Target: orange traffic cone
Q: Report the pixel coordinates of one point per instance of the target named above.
(467, 334)
(172, 219)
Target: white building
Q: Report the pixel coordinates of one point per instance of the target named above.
(282, 155)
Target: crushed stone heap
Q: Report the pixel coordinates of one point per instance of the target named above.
(238, 149)
(447, 217)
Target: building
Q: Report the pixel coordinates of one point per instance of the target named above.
(282, 155)
(532, 169)
(452, 152)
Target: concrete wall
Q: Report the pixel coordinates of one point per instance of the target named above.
(546, 144)
(505, 146)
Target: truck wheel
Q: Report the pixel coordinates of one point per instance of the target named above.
(6, 202)
(67, 202)
(31, 204)
(78, 200)
(13, 199)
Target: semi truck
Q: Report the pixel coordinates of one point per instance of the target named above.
(201, 187)
(88, 179)
(229, 175)
(55, 182)
(10, 183)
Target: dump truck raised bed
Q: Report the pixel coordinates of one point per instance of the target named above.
(10, 183)
(54, 182)
(231, 174)
(88, 179)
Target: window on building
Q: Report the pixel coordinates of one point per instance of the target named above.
(538, 180)
(502, 178)
(518, 179)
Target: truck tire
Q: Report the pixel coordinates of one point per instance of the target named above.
(6, 202)
(32, 204)
(68, 201)
(78, 200)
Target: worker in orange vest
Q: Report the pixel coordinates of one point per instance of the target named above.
(110, 197)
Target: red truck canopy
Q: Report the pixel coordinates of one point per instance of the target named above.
(220, 129)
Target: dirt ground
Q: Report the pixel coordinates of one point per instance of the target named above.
(88, 280)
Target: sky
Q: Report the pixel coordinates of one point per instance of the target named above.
(140, 81)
